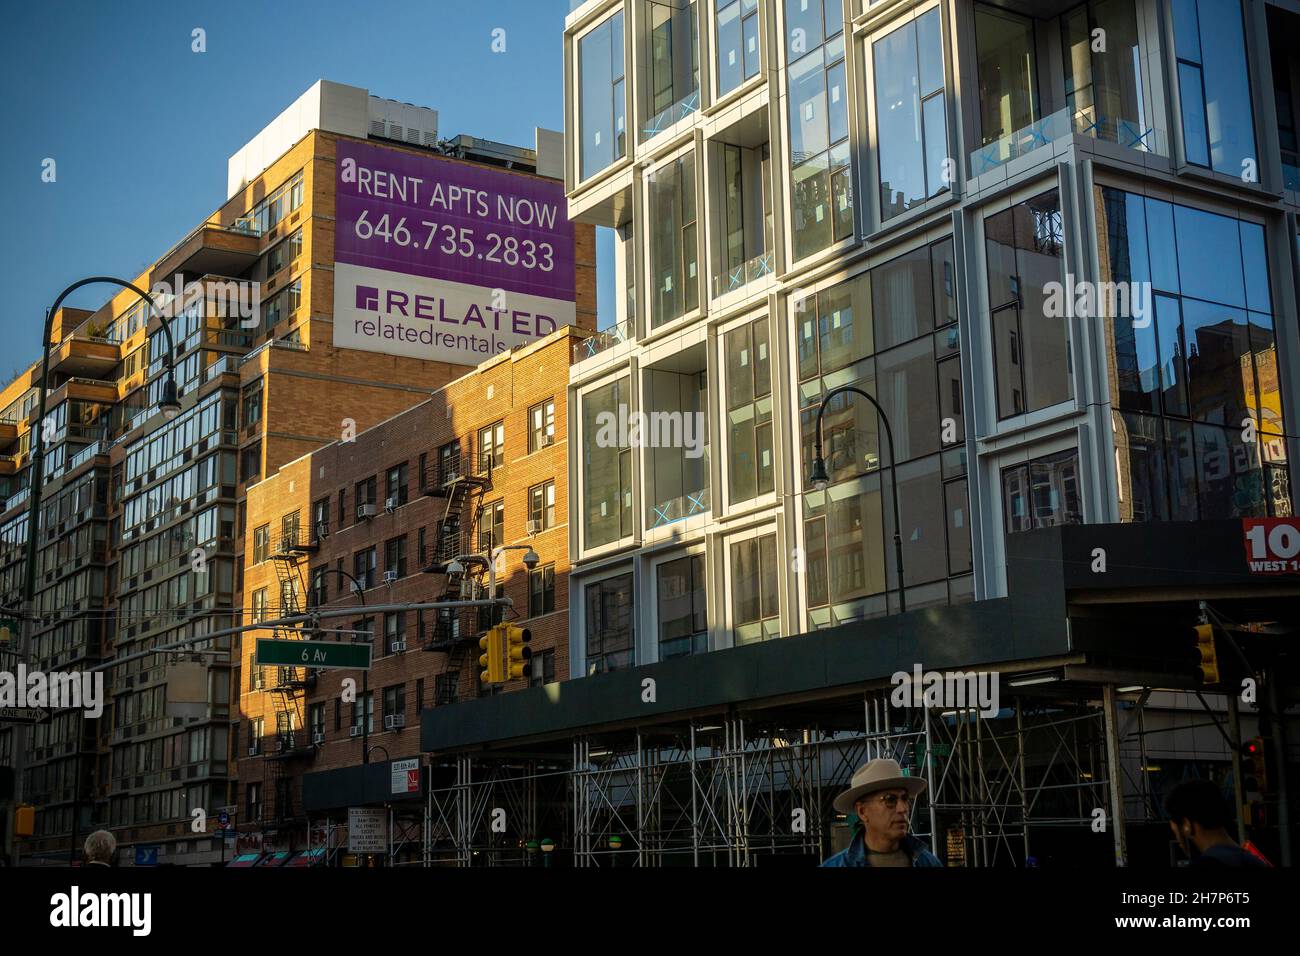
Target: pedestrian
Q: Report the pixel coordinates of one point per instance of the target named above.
(98, 849)
(1198, 817)
(881, 797)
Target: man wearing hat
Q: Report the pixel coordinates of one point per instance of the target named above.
(881, 797)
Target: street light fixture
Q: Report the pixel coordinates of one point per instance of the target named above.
(820, 480)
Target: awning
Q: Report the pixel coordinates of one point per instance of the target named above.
(245, 859)
(314, 857)
(279, 858)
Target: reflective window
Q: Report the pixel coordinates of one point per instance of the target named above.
(1214, 85)
(674, 269)
(911, 126)
(682, 613)
(606, 465)
(747, 369)
(737, 29)
(673, 65)
(755, 596)
(600, 78)
(1042, 493)
(1004, 45)
(1103, 87)
(609, 624)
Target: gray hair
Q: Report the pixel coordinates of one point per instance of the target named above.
(100, 847)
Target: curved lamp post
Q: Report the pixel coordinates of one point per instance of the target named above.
(170, 406)
(365, 675)
(819, 478)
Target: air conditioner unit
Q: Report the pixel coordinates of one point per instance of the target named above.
(252, 751)
(322, 529)
(318, 738)
(399, 647)
(354, 731)
(390, 505)
(358, 586)
(365, 510)
(394, 721)
(534, 525)
(390, 577)
(548, 440)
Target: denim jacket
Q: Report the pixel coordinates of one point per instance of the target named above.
(855, 854)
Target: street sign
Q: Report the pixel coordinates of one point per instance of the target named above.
(22, 715)
(367, 830)
(328, 654)
(406, 776)
(223, 819)
(146, 855)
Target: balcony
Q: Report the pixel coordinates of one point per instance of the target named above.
(9, 464)
(8, 433)
(667, 118)
(461, 468)
(296, 542)
(88, 389)
(737, 277)
(211, 248)
(1049, 129)
(602, 341)
(448, 541)
(82, 355)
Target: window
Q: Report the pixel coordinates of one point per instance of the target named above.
(419, 696)
(395, 556)
(541, 590)
(318, 595)
(261, 543)
(363, 713)
(366, 492)
(320, 518)
(424, 470)
(673, 65)
(542, 669)
(754, 591)
(743, 211)
(251, 404)
(395, 701)
(541, 506)
(672, 236)
(737, 36)
(609, 624)
(606, 466)
(283, 253)
(1103, 88)
(682, 616)
(253, 800)
(677, 469)
(250, 462)
(911, 121)
(259, 605)
(394, 630)
(492, 446)
(1042, 493)
(290, 527)
(1214, 85)
(1031, 348)
(541, 426)
(316, 719)
(822, 198)
(363, 567)
(395, 485)
(602, 97)
(444, 688)
(343, 510)
(1004, 45)
(492, 530)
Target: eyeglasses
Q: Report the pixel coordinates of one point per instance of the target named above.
(892, 800)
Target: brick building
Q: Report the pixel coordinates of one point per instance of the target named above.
(480, 464)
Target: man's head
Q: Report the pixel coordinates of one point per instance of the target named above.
(1197, 812)
(99, 847)
(885, 814)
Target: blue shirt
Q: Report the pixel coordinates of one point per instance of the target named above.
(855, 854)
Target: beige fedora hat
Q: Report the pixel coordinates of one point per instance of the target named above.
(880, 774)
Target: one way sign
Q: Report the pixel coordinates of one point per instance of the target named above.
(22, 715)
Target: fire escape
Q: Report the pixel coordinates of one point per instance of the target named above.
(460, 480)
(292, 737)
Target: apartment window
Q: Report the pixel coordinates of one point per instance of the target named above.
(1042, 493)
(250, 462)
(449, 462)
(261, 543)
(677, 471)
(363, 567)
(395, 701)
(395, 485)
(1199, 365)
(606, 466)
(253, 800)
(363, 712)
(316, 719)
(1103, 87)
(541, 426)
(419, 696)
(681, 610)
(283, 253)
(492, 446)
(395, 555)
(282, 305)
(541, 506)
(747, 362)
(259, 605)
(744, 214)
(251, 404)
(1004, 52)
(291, 526)
(320, 512)
(541, 590)
(603, 101)
(911, 125)
(444, 688)
(737, 38)
(1214, 85)
(822, 196)
(343, 509)
(492, 531)
(543, 668)
(673, 67)
(365, 492)
(319, 593)
(673, 249)
(609, 624)
(394, 630)
(754, 592)
(1031, 348)
(424, 470)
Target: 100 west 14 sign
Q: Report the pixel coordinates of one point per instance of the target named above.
(443, 260)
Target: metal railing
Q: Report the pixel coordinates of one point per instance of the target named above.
(735, 277)
(602, 341)
(1066, 122)
(688, 104)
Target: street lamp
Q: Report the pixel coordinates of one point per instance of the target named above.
(170, 406)
(820, 479)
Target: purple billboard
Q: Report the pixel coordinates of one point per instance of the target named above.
(440, 259)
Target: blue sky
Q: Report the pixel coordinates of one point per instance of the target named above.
(140, 126)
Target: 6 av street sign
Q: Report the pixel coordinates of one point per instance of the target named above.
(329, 654)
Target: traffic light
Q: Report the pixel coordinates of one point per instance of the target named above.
(1255, 753)
(1209, 659)
(493, 659)
(518, 655)
(24, 820)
